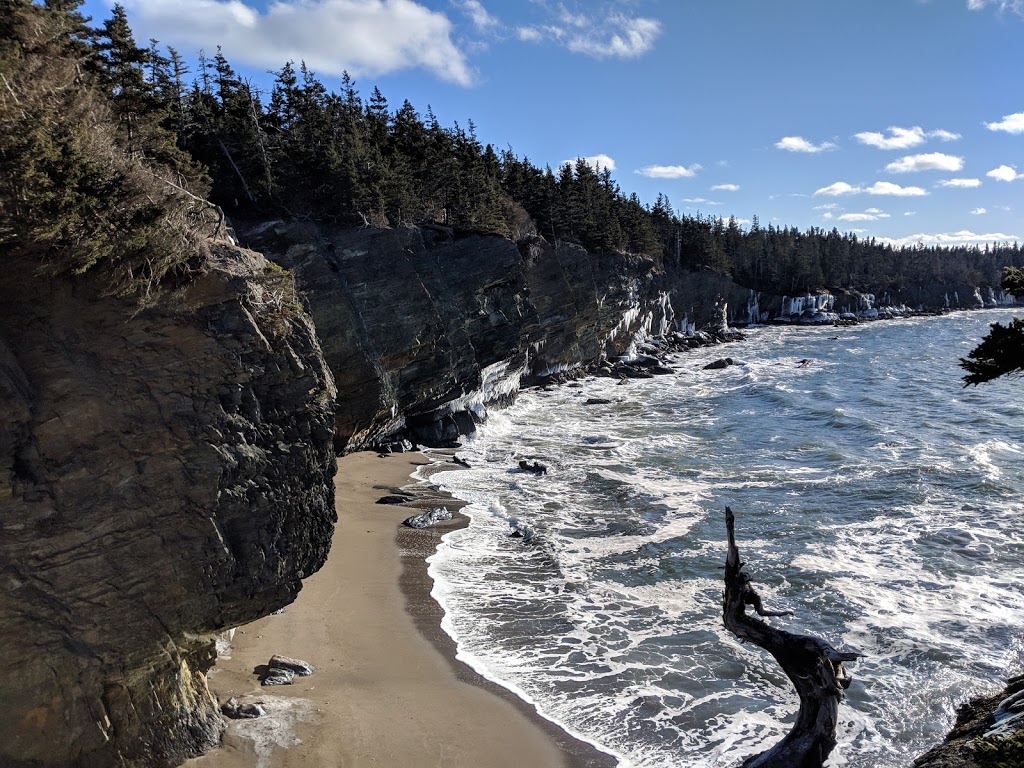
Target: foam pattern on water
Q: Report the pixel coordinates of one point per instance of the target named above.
(874, 495)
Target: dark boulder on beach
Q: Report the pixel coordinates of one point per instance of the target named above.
(717, 365)
(297, 666)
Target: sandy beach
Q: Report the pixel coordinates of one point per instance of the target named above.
(387, 689)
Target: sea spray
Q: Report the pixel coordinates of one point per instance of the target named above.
(879, 501)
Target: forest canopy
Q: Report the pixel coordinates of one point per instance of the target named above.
(144, 137)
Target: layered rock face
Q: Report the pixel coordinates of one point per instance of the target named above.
(164, 473)
(421, 329)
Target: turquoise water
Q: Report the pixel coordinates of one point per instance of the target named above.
(875, 497)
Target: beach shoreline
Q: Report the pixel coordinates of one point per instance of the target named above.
(388, 689)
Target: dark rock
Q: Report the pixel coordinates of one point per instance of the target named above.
(299, 667)
(988, 733)
(723, 362)
(461, 462)
(596, 401)
(536, 467)
(474, 335)
(395, 499)
(278, 676)
(661, 370)
(426, 519)
(165, 473)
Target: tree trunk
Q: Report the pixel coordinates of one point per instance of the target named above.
(813, 666)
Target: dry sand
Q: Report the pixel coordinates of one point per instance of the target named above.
(387, 689)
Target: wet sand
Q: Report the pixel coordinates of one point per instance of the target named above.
(387, 690)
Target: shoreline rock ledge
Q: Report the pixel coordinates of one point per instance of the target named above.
(165, 473)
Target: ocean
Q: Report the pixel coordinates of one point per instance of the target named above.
(875, 497)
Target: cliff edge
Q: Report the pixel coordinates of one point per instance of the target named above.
(165, 473)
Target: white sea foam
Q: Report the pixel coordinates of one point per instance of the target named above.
(881, 509)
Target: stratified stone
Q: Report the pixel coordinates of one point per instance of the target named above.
(165, 473)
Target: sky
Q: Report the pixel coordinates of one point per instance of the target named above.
(896, 119)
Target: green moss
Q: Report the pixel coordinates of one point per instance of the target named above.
(996, 752)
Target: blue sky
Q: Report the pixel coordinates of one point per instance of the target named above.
(899, 119)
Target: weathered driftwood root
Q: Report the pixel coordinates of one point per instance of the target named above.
(814, 667)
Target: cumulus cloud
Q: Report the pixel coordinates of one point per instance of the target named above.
(961, 183)
(903, 138)
(725, 188)
(979, 211)
(838, 188)
(608, 35)
(1010, 123)
(1005, 173)
(669, 171)
(800, 144)
(933, 161)
(365, 37)
(894, 190)
(598, 162)
(1014, 6)
(963, 237)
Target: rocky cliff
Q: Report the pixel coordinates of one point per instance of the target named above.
(422, 328)
(165, 472)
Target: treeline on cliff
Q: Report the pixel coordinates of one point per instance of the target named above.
(89, 180)
(304, 151)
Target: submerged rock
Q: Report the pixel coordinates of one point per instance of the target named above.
(723, 362)
(536, 467)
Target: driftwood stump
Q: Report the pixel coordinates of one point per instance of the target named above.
(813, 666)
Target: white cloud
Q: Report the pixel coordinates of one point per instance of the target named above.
(910, 213)
(871, 214)
(826, 207)
(529, 34)
(725, 188)
(598, 162)
(838, 188)
(963, 237)
(669, 171)
(979, 211)
(878, 188)
(1015, 6)
(895, 190)
(903, 138)
(1005, 173)
(700, 200)
(960, 183)
(1010, 123)
(612, 35)
(800, 144)
(479, 15)
(933, 161)
(899, 138)
(365, 37)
